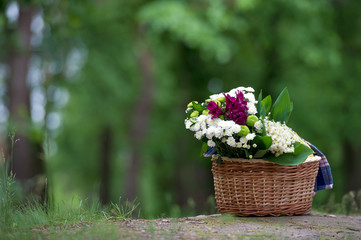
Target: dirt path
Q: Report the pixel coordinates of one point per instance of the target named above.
(312, 226)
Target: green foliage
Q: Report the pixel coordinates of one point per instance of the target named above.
(310, 46)
(32, 213)
(7, 199)
(282, 108)
(183, 22)
(203, 149)
(349, 205)
(260, 112)
(267, 46)
(297, 157)
(198, 107)
(263, 142)
(267, 102)
(263, 107)
(8, 188)
(121, 211)
(28, 217)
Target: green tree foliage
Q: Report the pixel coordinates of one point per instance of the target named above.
(105, 52)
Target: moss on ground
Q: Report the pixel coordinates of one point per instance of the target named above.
(204, 227)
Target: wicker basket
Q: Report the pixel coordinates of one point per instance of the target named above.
(257, 187)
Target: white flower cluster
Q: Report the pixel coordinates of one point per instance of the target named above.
(283, 137)
(219, 129)
(248, 94)
(258, 126)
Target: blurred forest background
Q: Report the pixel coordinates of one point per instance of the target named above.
(97, 91)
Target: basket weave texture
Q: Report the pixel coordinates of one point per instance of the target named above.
(260, 188)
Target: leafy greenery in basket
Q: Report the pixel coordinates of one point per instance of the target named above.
(239, 126)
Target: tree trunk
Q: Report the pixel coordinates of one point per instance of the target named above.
(140, 121)
(104, 193)
(353, 166)
(27, 163)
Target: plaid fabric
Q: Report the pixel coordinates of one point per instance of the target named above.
(210, 152)
(324, 175)
(323, 178)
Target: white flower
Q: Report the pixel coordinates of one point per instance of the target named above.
(202, 118)
(223, 124)
(215, 96)
(226, 124)
(210, 132)
(251, 108)
(283, 137)
(204, 131)
(258, 125)
(188, 109)
(198, 135)
(210, 143)
(238, 145)
(236, 128)
(250, 97)
(231, 142)
(188, 124)
(249, 89)
(250, 136)
(213, 122)
(234, 91)
(240, 89)
(196, 127)
(243, 140)
(203, 125)
(228, 132)
(218, 133)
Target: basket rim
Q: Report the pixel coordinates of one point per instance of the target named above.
(311, 158)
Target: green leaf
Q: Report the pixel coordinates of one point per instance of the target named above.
(297, 157)
(291, 109)
(247, 153)
(263, 110)
(263, 105)
(259, 104)
(263, 127)
(282, 108)
(219, 159)
(268, 103)
(198, 107)
(263, 142)
(204, 149)
(189, 112)
(260, 153)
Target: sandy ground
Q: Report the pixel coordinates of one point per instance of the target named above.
(311, 226)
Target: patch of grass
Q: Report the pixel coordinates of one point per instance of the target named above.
(7, 187)
(32, 219)
(98, 230)
(350, 204)
(223, 219)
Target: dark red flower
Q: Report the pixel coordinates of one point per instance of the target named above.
(236, 108)
(214, 109)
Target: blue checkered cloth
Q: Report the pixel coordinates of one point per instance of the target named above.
(324, 175)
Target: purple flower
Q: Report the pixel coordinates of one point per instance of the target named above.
(236, 108)
(214, 109)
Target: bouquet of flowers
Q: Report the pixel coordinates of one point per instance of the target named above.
(236, 125)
